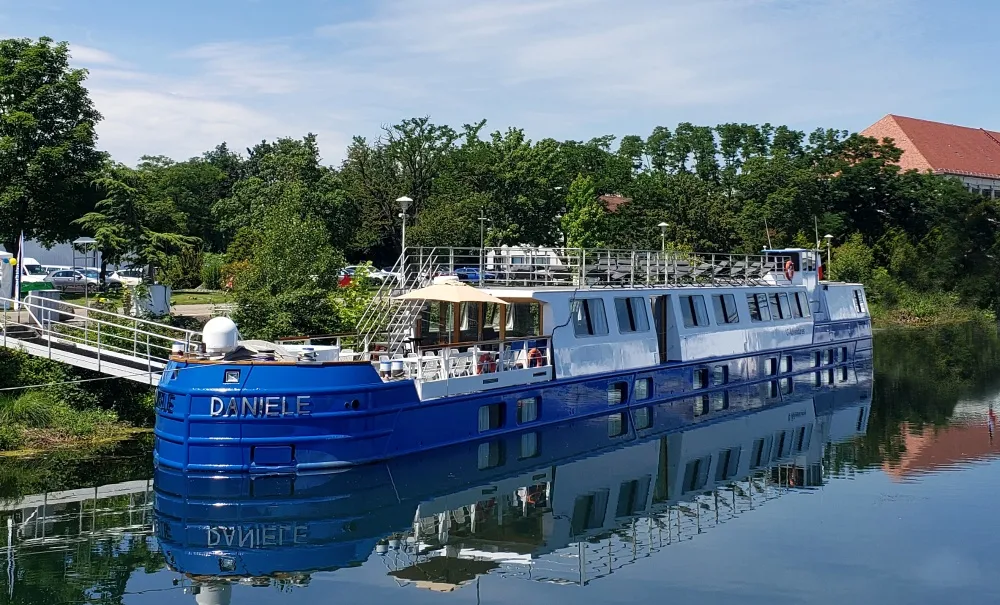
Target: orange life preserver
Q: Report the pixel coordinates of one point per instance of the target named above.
(487, 363)
(789, 269)
(534, 358)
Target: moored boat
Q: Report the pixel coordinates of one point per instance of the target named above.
(529, 337)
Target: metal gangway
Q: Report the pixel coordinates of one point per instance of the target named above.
(91, 338)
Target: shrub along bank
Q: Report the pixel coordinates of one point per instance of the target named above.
(64, 411)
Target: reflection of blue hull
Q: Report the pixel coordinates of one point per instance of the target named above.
(295, 418)
(243, 525)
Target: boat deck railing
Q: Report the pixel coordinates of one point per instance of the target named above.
(457, 361)
(574, 267)
(390, 321)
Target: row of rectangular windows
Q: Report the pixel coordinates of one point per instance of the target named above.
(491, 415)
(763, 307)
(765, 450)
(590, 319)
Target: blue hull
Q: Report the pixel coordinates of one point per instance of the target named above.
(258, 525)
(295, 418)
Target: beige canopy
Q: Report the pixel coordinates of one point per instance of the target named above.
(451, 291)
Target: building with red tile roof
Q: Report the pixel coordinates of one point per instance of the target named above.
(970, 154)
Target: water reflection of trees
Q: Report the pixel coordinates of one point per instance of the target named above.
(920, 374)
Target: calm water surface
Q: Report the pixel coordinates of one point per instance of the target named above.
(873, 491)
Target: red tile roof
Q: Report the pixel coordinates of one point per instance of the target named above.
(613, 201)
(941, 148)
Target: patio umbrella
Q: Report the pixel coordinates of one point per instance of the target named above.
(452, 291)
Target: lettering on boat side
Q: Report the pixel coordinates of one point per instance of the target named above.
(795, 331)
(795, 415)
(261, 407)
(257, 535)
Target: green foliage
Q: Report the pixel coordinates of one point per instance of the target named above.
(183, 271)
(11, 437)
(351, 301)
(211, 271)
(47, 138)
(135, 222)
(35, 409)
(584, 221)
(853, 261)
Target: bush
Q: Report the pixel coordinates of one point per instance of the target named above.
(84, 423)
(33, 409)
(184, 270)
(211, 271)
(11, 436)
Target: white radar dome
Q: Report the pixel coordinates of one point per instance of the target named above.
(214, 594)
(220, 335)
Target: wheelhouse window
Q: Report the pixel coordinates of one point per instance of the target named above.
(758, 307)
(725, 309)
(779, 305)
(694, 312)
(632, 315)
(800, 305)
(588, 317)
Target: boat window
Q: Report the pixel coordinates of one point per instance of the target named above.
(524, 319)
(787, 363)
(643, 418)
(819, 379)
(491, 321)
(843, 353)
(696, 474)
(694, 312)
(843, 374)
(817, 359)
(632, 314)
(700, 380)
(701, 405)
(721, 375)
(782, 445)
(616, 425)
(829, 376)
(772, 366)
(858, 302)
(727, 464)
(800, 305)
(725, 309)
(468, 330)
(830, 356)
(758, 307)
(643, 388)
(490, 455)
(529, 445)
(773, 389)
(786, 313)
(617, 393)
(588, 317)
(527, 410)
(787, 386)
(490, 417)
(761, 452)
(720, 401)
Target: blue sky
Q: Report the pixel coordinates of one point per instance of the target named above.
(176, 78)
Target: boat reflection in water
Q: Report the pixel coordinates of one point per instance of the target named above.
(564, 504)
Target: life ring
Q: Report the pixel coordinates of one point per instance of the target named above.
(789, 269)
(534, 358)
(487, 363)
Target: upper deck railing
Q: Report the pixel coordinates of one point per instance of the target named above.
(541, 267)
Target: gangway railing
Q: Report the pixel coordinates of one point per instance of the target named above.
(96, 339)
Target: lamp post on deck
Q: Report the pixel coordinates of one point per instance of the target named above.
(828, 239)
(404, 204)
(663, 237)
(84, 244)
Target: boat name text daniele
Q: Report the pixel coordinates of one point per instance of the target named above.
(261, 407)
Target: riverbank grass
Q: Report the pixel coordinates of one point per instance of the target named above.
(920, 309)
(38, 418)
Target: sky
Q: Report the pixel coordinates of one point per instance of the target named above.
(177, 78)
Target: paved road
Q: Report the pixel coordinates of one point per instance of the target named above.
(203, 310)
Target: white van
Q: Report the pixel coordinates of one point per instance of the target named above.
(32, 271)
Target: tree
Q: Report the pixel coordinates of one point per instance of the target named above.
(46, 142)
(134, 223)
(584, 221)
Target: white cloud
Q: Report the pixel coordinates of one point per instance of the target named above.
(87, 55)
(562, 68)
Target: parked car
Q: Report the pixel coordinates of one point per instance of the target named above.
(86, 280)
(125, 277)
(471, 274)
(376, 275)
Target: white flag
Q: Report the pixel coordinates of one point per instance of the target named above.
(18, 269)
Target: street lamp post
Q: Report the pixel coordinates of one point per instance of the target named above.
(482, 242)
(663, 237)
(84, 243)
(828, 239)
(404, 204)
